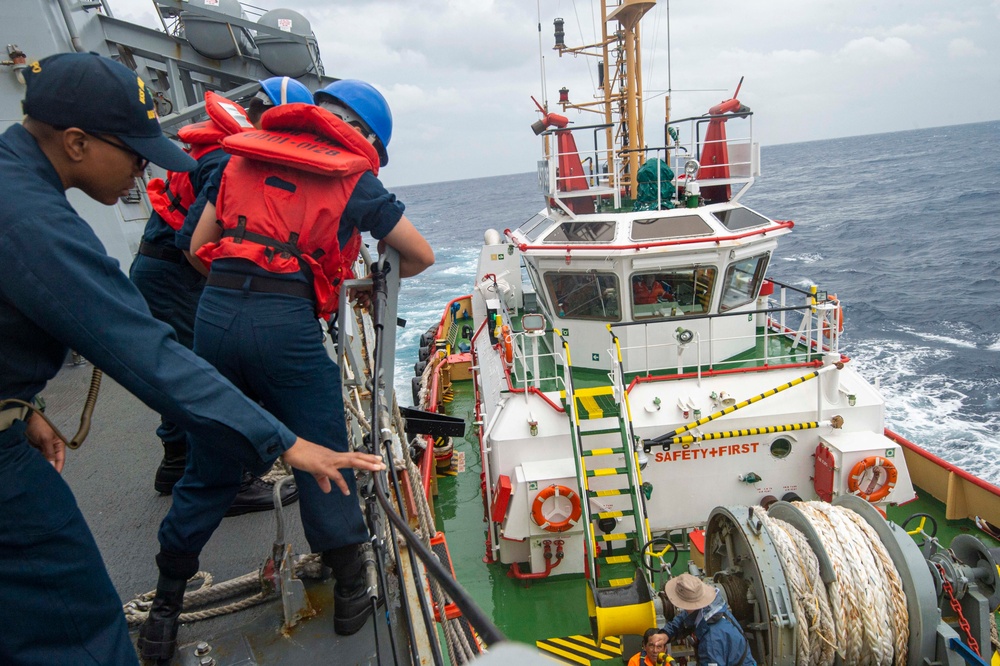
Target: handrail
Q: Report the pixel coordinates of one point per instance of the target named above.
(778, 225)
(665, 438)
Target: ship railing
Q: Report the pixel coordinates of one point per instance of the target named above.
(730, 160)
(584, 180)
(535, 368)
(785, 333)
(573, 179)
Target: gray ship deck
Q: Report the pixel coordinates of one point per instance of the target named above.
(111, 476)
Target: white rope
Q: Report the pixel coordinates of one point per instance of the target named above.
(814, 624)
(868, 605)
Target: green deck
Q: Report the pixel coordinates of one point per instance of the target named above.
(552, 613)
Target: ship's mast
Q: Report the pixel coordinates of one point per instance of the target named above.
(621, 79)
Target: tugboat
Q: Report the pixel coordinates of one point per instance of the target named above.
(645, 401)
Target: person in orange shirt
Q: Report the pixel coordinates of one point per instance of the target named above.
(654, 649)
(647, 290)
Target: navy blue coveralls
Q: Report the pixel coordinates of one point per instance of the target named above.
(58, 290)
(720, 640)
(167, 280)
(271, 346)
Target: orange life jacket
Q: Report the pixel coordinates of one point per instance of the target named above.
(172, 197)
(283, 194)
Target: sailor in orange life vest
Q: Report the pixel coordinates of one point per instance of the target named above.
(287, 233)
(654, 649)
(172, 286)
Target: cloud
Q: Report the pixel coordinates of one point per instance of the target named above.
(964, 48)
(871, 50)
(458, 73)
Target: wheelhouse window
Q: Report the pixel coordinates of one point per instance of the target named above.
(742, 281)
(667, 227)
(535, 227)
(673, 291)
(600, 231)
(735, 219)
(584, 295)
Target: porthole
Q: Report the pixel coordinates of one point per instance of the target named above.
(781, 447)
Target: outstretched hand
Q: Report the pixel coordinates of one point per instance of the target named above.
(325, 464)
(41, 436)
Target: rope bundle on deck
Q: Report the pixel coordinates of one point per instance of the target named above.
(862, 614)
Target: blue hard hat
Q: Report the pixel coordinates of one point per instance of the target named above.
(284, 89)
(369, 104)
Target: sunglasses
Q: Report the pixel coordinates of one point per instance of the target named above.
(140, 161)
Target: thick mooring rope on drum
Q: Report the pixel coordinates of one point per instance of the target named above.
(815, 627)
(866, 598)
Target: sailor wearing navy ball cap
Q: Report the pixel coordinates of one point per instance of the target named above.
(90, 125)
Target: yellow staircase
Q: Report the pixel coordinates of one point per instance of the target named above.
(617, 536)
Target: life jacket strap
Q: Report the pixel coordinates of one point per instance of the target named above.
(175, 200)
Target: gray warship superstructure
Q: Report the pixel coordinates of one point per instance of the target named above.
(214, 45)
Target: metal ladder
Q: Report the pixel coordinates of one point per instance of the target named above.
(594, 464)
(619, 591)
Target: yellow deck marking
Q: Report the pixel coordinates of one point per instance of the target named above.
(581, 649)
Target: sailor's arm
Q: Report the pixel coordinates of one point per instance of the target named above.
(207, 231)
(415, 253)
(75, 292)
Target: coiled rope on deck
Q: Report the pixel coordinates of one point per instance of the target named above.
(136, 611)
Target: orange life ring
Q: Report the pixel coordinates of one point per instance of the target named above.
(838, 317)
(508, 344)
(875, 491)
(559, 525)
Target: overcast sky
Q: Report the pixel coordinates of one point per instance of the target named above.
(459, 74)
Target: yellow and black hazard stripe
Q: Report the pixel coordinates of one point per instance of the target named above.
(581, 649)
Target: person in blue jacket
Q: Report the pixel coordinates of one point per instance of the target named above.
(720, 640)
(172, 286)
(90, 124)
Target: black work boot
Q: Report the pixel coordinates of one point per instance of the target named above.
(258, 495)
(354, 568)
(171, 468)
(158, 634)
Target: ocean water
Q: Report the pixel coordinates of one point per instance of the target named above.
(903, 227)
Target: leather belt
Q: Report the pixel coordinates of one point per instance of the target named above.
(8, 415)
(260, 284)
(163, 252)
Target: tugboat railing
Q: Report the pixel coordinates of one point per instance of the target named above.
(807, 330)
(566, 177)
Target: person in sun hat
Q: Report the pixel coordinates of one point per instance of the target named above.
(704, 612)
(90, 124)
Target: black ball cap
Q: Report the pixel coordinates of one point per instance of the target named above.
(100, 96)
